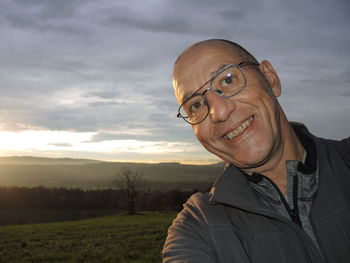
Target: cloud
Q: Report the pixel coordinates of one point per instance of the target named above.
(61, 144)
(346, 93)
(43, 16)
(105, 67)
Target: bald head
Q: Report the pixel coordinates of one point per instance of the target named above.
(192, 60)
(209, 44)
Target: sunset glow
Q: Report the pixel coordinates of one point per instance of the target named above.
(80, 144)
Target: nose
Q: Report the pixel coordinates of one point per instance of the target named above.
(220, 108)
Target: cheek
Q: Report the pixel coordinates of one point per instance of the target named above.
(203, 136)
(267, 105)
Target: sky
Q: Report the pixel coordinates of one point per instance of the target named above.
(92, 79)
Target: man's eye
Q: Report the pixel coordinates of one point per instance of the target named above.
(228, 80)
(196, 106)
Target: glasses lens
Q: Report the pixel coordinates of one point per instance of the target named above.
(229, 82)
(195, 109)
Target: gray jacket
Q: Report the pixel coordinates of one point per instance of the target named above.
(231, 224)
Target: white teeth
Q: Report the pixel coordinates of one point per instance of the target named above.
(239, 129)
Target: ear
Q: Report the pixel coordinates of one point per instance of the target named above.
(271, 76)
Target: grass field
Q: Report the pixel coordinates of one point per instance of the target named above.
(116, 238)
(36, 216)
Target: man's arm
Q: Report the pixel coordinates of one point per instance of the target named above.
(188, 238)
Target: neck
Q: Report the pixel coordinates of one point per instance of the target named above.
(275, 168)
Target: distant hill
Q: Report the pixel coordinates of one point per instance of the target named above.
(31, 160)
(92, 174)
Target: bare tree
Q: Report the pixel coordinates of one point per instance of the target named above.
(129, 181)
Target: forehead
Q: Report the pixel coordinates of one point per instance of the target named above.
(196, 66)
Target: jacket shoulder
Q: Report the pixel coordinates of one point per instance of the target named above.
(344, 149)
(341, 147)
(188, 236)
(209, 213)
(194, 213)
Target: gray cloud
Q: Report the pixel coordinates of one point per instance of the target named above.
(61, 144)
(346, 93)
(132, 20)
(45, 16)
(105, 66)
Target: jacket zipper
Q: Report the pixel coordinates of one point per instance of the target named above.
(293, 213)
(295, 209)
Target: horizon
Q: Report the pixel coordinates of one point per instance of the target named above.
(109, 161)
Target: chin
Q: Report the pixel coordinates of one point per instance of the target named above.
(252, 159)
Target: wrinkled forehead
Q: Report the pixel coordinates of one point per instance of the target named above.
(196, 66)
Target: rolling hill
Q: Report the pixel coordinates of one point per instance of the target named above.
(92, 174)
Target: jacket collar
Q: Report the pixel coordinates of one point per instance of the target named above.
(232, 188)
(305, 137)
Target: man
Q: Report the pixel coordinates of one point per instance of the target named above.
(284, 195)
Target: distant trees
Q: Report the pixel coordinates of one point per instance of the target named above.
(129, 181)
(59, 198)
(40, 197)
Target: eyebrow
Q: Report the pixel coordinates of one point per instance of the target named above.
(219, 68)
(187, 96)
(212, 74)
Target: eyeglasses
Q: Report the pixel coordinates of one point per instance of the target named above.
(226, 83)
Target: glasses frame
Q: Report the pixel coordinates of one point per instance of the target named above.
(218, 92)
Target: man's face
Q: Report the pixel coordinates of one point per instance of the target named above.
(244, 129)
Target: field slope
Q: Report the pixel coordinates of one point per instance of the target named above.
(117, 238)
(91, 174)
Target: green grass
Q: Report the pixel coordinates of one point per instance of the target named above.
(35, 216)
(117, 238)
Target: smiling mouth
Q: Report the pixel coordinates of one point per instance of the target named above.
(239, 129)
